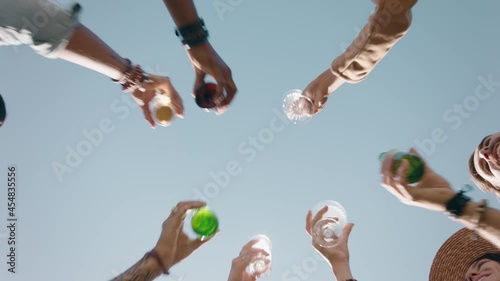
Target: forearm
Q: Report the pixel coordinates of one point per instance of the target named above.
(385, 27)
(145, 269)
(490, 222)
(182, 11)
(88, 50)
(341, 270)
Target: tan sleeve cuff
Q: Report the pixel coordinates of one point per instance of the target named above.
(386, 26)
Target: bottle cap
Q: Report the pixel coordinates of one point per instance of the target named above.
(382, 155)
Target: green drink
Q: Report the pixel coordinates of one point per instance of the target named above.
(204, 223)
(416, 169)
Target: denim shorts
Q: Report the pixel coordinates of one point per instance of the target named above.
(44, 25)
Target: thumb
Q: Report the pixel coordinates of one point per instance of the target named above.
(403, 170)
(198, 242)
(148, 116)
(347, 231)
(199, 81)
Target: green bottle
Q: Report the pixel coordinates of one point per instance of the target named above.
(416, 169)
(204, 223)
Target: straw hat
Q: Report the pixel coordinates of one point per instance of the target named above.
(456, 255)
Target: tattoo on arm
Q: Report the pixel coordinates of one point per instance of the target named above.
(141, 271)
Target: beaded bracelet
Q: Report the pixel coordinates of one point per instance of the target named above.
(158, 259)
(126, 75)
(133, 77)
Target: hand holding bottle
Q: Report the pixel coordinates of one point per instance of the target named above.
(431, 192)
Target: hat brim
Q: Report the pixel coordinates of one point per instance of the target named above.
(456, 255)
(3, 111)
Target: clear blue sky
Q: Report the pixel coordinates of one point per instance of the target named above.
(107, 212)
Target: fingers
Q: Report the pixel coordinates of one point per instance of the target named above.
(245, 258)
(172, 93)
(248, 246)
(221, 93)
(401, 184)
(198, 242)
(319, 215)
(308, 222)
(199, 81)
(148, 116)
(387, 173)
(347, 231)
(396, 182)
(229, 89)
(177, 104)
(179, 211)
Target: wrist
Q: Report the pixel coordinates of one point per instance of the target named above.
(341, 270)
(333, 81)
(444, 198)
(455, 206)
(192, 34)
(163, 259)
(339, 263)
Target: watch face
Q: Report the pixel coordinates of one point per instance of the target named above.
(3, 111)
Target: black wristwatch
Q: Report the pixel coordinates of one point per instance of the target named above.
(456, 205)
(192, 35)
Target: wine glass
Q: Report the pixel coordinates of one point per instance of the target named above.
(162, 111)
(327, 231)
(297, 107)
(260, 265)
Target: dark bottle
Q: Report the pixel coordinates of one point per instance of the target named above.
(205, 95)
(417, 166)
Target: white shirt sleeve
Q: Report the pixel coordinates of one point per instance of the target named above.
(41, 24)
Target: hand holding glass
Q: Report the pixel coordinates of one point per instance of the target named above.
(297, 107)
(260, 264)
(162, 110)
(328, 228)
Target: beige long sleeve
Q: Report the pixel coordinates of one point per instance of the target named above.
(386, 26)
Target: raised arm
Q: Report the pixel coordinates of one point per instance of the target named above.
(64, 37)
(433, 192)
(386, 26)
(172, 247)
(337, 256)
(390, 21)
(194, 34)
(146, 269)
